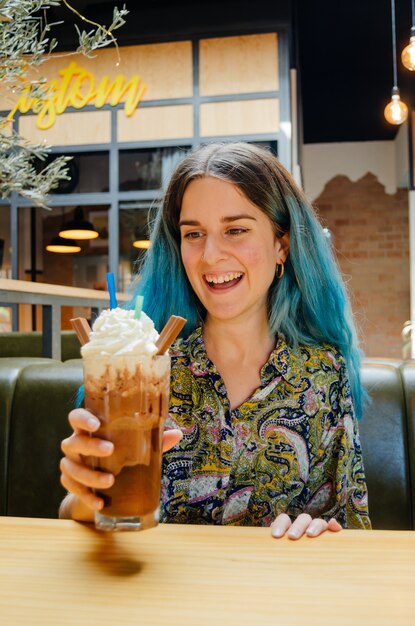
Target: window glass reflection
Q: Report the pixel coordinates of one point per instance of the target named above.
(88, 172)
(86, 268)
(269, 145)
(5, 263)
(149, 168)
(134, 238)
(5, 242)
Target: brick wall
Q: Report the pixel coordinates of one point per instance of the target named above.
(370, 235)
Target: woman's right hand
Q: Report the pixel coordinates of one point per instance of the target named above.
(77, 477)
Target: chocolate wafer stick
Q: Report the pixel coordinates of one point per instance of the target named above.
(164, 333)
(82, 329)
(169, 333)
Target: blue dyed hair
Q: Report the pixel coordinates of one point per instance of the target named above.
(308, 305)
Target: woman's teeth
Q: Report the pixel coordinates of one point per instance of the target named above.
(224, 278)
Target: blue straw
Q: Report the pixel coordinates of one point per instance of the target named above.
(79, 397)
(111, 290)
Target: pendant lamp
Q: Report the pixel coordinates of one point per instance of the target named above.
(142, 244)
(63, 246)
(79, 227)
(408, 53)
(140, 239)
(396, 111)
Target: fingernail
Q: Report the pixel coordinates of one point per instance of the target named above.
(92, 422)
(276, 531)
(293, 532)
(106, 446)
(107, 479)
(312, 530)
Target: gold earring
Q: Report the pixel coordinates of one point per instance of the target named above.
(280, 270)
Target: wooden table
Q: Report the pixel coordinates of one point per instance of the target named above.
(56, 572)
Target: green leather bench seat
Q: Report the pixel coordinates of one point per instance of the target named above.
(43, 397)
(385, 447)
(408, 379)
(29, 344)
(10, 370)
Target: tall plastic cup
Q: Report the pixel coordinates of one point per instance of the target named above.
(130, 396)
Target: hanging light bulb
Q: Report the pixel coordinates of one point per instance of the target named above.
(140, 238)
(142, 244)
(63, 246)
(408, 53)
(396, 111)
(79, 227)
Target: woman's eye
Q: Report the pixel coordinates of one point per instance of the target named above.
(193, 235)
(236, 231)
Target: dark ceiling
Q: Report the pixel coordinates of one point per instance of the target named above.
(345, 57)
(343, 49)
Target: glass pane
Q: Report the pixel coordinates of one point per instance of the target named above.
(88, 171)
(5, 319)
(270, 145)
(149, 168)
(133, 228)
(86, 268)
(5, 242)
(5, 264)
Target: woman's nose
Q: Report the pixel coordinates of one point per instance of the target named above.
(214, 250)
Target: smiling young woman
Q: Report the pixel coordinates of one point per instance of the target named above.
(229, 250)
(230, 253)
(261, 409)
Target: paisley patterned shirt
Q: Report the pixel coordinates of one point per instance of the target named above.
(292, 447)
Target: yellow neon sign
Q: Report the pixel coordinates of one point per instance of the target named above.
(77, 88)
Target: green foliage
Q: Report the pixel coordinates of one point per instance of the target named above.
(26, 41)
(23, 38)
(101, 37)
(18, 173)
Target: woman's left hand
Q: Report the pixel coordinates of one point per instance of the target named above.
(303, 525)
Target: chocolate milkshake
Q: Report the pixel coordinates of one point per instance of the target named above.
(127, 388)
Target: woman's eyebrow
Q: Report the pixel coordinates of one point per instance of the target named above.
(234, 218)
(189, 223)
(230, 218)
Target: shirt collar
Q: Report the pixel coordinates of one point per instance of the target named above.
(282, 360)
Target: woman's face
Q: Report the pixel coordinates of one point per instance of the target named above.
(229, 249)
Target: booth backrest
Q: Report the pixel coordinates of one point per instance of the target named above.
(35, 399)
(408, 379)
(10, 370)
(385, 446)
(43, 395)
(29, 344)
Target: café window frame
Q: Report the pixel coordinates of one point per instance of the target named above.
(279, 141)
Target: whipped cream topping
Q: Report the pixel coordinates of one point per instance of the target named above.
(116, 332)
